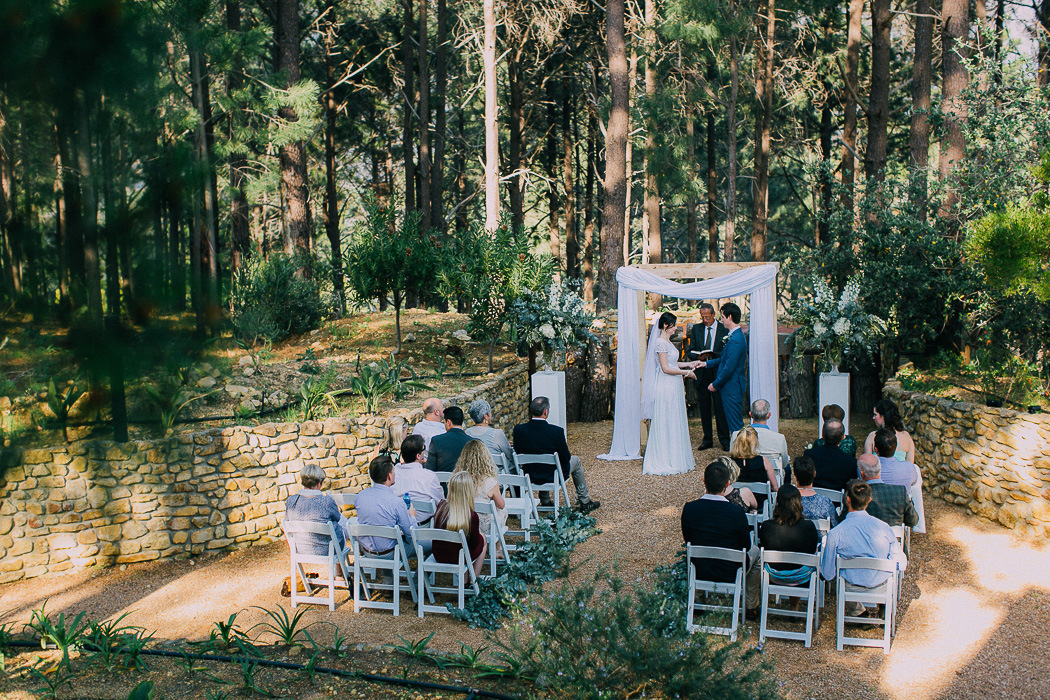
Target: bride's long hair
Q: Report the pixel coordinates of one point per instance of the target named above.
(666, 319)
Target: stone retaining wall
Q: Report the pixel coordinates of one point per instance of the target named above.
(101, 503)
(995, 461)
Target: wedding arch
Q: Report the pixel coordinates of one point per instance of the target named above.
(717, 281)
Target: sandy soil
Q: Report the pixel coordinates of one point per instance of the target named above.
(974, 611)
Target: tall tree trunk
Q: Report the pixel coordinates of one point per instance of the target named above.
(176, 259)
(551, 157)
(919, 141)
(89, 200)
(11, 282)
(652, 186)
(569, 177)
(1000, 37)
(827, 131)
(611, 239)
(849, 127)
(209, 249)
(632, 72)
(331, 192)
(424, 118)
(516, 124)
(712, 175)
(491, 124)
(73, 248)
(1042, 17)
(879, 99)
(61, 221)
(408, 133)
(437, 174)
(955, 15)
(588, 204)
(461, 178)
(240, 234)
(734, 90)
(763, 135)
(105, 148)
(295, 188)
(692, 232)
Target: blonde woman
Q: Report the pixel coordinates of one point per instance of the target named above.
(476, 460)
(743, 496)
(457, 514)
(753, 466)
(394, 433)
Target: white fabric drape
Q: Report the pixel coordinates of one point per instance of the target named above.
(762, 341)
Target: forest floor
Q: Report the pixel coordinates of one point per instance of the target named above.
(972, 621)
(234, 384)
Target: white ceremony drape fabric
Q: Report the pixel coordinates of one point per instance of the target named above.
(762, 342)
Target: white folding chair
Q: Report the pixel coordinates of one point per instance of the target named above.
(754, 520)
(903, 534)
(836, 497)
(734, 589)
(335, 558)
(774, 586)
(425, 507)
(884, 594)
(395, 561)
(495, 535)
(428, 568)
(501, 462)
(555, 487)
(517, 494)
(344, 500)
(443, 478)
(760, 488)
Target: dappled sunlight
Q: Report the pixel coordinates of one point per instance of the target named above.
(944, 631)
(999, 562)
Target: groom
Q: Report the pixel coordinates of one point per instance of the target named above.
(731, 367)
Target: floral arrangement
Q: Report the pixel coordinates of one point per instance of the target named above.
(554, 319)
(838, 326)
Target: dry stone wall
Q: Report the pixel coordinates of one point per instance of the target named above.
(994, 461)
(102, 503)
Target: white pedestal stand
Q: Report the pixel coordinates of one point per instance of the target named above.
(551, 385)
(833, 387)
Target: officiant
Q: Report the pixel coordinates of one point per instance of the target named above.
(706, 340)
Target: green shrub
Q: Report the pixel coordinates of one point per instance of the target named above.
(606, 639)
(271, 301)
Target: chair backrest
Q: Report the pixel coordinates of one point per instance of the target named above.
(499, 461)
(344, 499)
(390, 532)
(757, 487)
(423, 534)
(537, 459)
(898, 532)
(424, 506)
(866, 563)
(443, 477)
(770, 556)
(296, 527)
(735, 556)
(484, 506)
(519, 482)
(540, 466)
(836, 497)
(823, 526)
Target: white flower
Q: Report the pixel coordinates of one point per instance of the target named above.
(841, 326)
(547, 331)
(819, 329)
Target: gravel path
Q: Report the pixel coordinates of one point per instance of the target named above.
(973, 619)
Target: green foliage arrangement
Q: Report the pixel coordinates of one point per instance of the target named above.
(836, 325)
(61, 403)
(554, 318)
(387, 260)
(544, 558)
(271, 300)
(491, 270)
(606, 639)
(384, 378)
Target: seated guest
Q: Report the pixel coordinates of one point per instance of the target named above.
(476, 461)
(433, 422)
(771, 444)
(788, 530)
(753, 466)
(742, 496)
(310, 505)
(712, 521)
(889, 502)
(538, 437)
(495, 439)
(457, 514)
(834, 467)
(394, 433)
(894, 471)
(886, 416)
(410, 477)
(834, 412)
(814, 505)
(860, 534)
(444, 449)
(379, 505)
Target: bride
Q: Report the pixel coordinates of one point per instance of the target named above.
(668, 449)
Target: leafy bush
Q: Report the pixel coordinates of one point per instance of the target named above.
(1013, 249)
(271, 301)
(542, 559)
(605, 639)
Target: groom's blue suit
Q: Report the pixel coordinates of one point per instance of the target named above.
(729, 382)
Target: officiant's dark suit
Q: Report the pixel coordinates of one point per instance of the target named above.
(709, 402)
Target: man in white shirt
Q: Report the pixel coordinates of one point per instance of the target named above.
(412, 478)
(770, 443)
(433, 422)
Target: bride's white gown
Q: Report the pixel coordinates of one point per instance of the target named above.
(668, 450)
